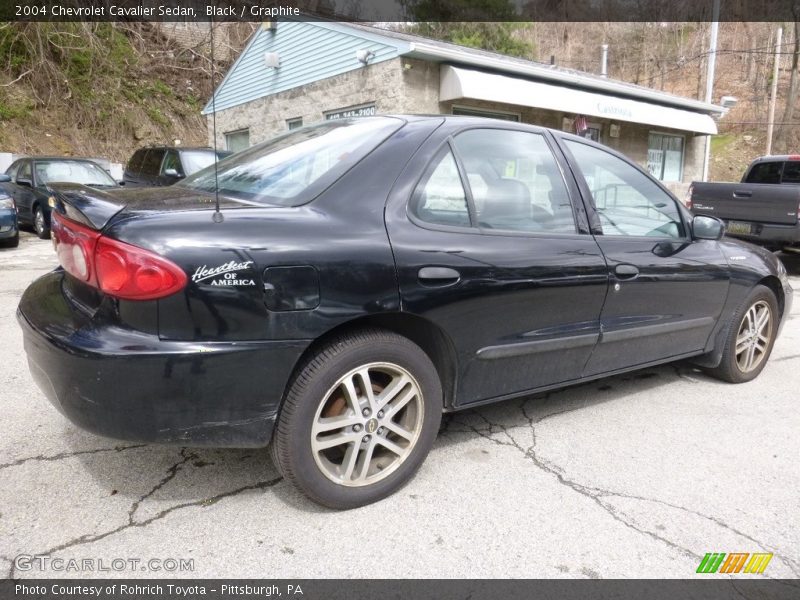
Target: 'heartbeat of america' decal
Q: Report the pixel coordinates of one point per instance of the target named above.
(225, 274)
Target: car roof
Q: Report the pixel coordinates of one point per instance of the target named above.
(176, 148)
(64, 158)
(778, 158)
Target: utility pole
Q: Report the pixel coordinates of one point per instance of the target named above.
(712, 63)
(774, 93)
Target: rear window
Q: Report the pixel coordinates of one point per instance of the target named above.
(765, 172)
(135, 163)
(294, 168)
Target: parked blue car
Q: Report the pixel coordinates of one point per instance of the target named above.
(9, 229)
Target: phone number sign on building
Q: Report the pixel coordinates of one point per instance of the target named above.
(366, 110)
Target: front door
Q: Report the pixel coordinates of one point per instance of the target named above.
(489, 249)
(666, 290)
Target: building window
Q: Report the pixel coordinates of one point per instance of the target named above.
(492, 114)
(295, 123)
(665, 156)
(237, 140)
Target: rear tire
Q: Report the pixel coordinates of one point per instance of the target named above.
(750, 338)
(40, 225)
(359, 419)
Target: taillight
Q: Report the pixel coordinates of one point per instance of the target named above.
(74, 245)
(130, 272)
(118, 269)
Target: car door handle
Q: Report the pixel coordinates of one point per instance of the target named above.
(742, 194)
(438, 275)
(626, 271)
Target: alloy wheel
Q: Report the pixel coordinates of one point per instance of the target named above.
(367, 424)
(38, 221)
(753, 337)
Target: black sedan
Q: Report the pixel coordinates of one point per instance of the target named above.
(331, 292)
(30, 185)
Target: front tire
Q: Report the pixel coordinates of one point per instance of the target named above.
(40, 225)
(359, 419)
(750, 338)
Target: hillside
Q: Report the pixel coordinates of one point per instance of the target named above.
(104, 89)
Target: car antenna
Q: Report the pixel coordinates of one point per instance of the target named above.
(217, 218)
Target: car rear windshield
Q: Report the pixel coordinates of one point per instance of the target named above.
(774, 171)
(72, 171)
(294, 168)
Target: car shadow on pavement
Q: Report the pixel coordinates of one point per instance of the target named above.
(791, 260)
(158, 480)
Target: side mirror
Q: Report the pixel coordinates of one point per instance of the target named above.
(172, 173)
(707, 228)
(120, 182)
(4, 178)
(24, 181)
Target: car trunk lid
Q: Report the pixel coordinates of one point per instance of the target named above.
(97, 208)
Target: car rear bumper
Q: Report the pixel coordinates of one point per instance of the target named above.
(767, 234)
(8, 224)
(134, 386)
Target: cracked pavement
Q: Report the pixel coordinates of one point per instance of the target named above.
(634, 476)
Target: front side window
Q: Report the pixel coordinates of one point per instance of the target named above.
(294, 168)
(171, 161)
(515, 181)
(627, 201)
(665, 156)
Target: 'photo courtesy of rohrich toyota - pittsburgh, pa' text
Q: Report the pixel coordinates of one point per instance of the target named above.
(399, 299)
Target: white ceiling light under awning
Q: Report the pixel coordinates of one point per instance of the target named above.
(457, 83)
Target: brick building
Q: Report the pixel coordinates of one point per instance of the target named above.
(295, 73)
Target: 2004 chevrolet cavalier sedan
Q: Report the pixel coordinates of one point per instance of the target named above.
(351, 281)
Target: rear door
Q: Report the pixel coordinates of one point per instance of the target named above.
(490, 248)
(667, 290)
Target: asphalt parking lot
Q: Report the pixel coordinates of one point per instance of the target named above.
(635, 476)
